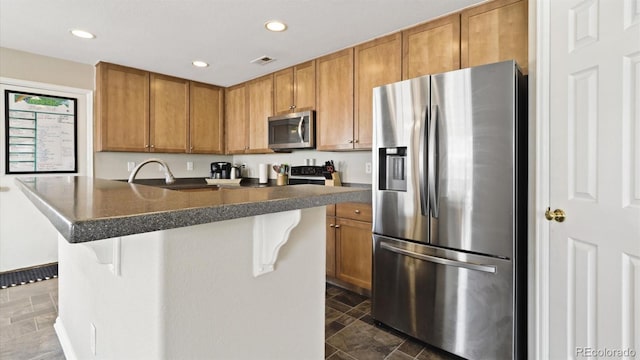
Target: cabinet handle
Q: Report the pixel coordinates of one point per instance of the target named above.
(337, 226)
(191, 148)
(331, 225)
(152, 146)
(356, 211)
(355, 141)
(350, 141)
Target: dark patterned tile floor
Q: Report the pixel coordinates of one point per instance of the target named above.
(352, 334)
(27, 314)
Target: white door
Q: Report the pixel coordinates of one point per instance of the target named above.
(594, 164)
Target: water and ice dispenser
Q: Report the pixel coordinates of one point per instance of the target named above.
(393, 168)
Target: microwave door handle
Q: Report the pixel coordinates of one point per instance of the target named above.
(300, 129)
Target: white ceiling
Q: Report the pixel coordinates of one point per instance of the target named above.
(164, 36)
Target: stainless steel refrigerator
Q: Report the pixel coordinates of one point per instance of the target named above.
(449, 203)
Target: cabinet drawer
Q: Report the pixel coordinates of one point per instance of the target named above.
(356, 211)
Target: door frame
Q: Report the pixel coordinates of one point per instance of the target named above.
(539, 136)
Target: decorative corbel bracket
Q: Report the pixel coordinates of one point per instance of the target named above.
(107, 252)
(270, 232)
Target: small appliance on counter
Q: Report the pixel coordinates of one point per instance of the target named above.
(221, 170)
(236, 172)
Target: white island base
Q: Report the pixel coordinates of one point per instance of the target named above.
(199, 292)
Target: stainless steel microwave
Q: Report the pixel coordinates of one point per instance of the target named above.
(292, 131)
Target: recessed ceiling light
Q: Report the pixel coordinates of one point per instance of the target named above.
(82, 34)
(275, 25)
(198, 63)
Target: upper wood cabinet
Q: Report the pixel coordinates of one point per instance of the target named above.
(139, 111)
(295, 88)
(206, 119)
(169, 114)
(260, 108)
(122, 108)
(247, 108)
(495, 31)
(334, 101)
(377, 63)
(431, 48)
(236, 119)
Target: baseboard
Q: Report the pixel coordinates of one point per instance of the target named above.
(65, 342)
(348, 286)
(28, 275)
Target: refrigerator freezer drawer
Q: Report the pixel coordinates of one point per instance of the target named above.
(459, 302)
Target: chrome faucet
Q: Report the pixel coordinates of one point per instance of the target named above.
(168, 176)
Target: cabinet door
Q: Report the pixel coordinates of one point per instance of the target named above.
(260, 108)
(206, 133)
(331, 246)
(354, 252)
(334, 101)
(169, 114)
(122, 108)
(283, 91)
(304, 86)
(236, 119)
(431, 48)
(493, 32)
(377, 62)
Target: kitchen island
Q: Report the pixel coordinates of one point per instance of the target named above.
(151, 273)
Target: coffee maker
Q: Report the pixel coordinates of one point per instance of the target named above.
(220, 170)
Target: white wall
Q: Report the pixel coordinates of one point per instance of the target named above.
(113, 165)
(26, 237)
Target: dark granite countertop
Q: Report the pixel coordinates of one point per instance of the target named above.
(86, 209)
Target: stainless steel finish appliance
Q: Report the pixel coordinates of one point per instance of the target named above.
(220, 170)
(292, 131)
(307, 174)
(450, 210)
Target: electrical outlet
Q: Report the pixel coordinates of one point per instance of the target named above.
(130, 165)
(92, 334)
(189, 165)
(367, 168)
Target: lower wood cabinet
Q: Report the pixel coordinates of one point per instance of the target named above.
(349, 245)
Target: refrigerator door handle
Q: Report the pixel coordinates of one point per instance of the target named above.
(433, 162)
(439, 260)
(421, 160)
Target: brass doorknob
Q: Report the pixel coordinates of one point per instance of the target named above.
(557, 215)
